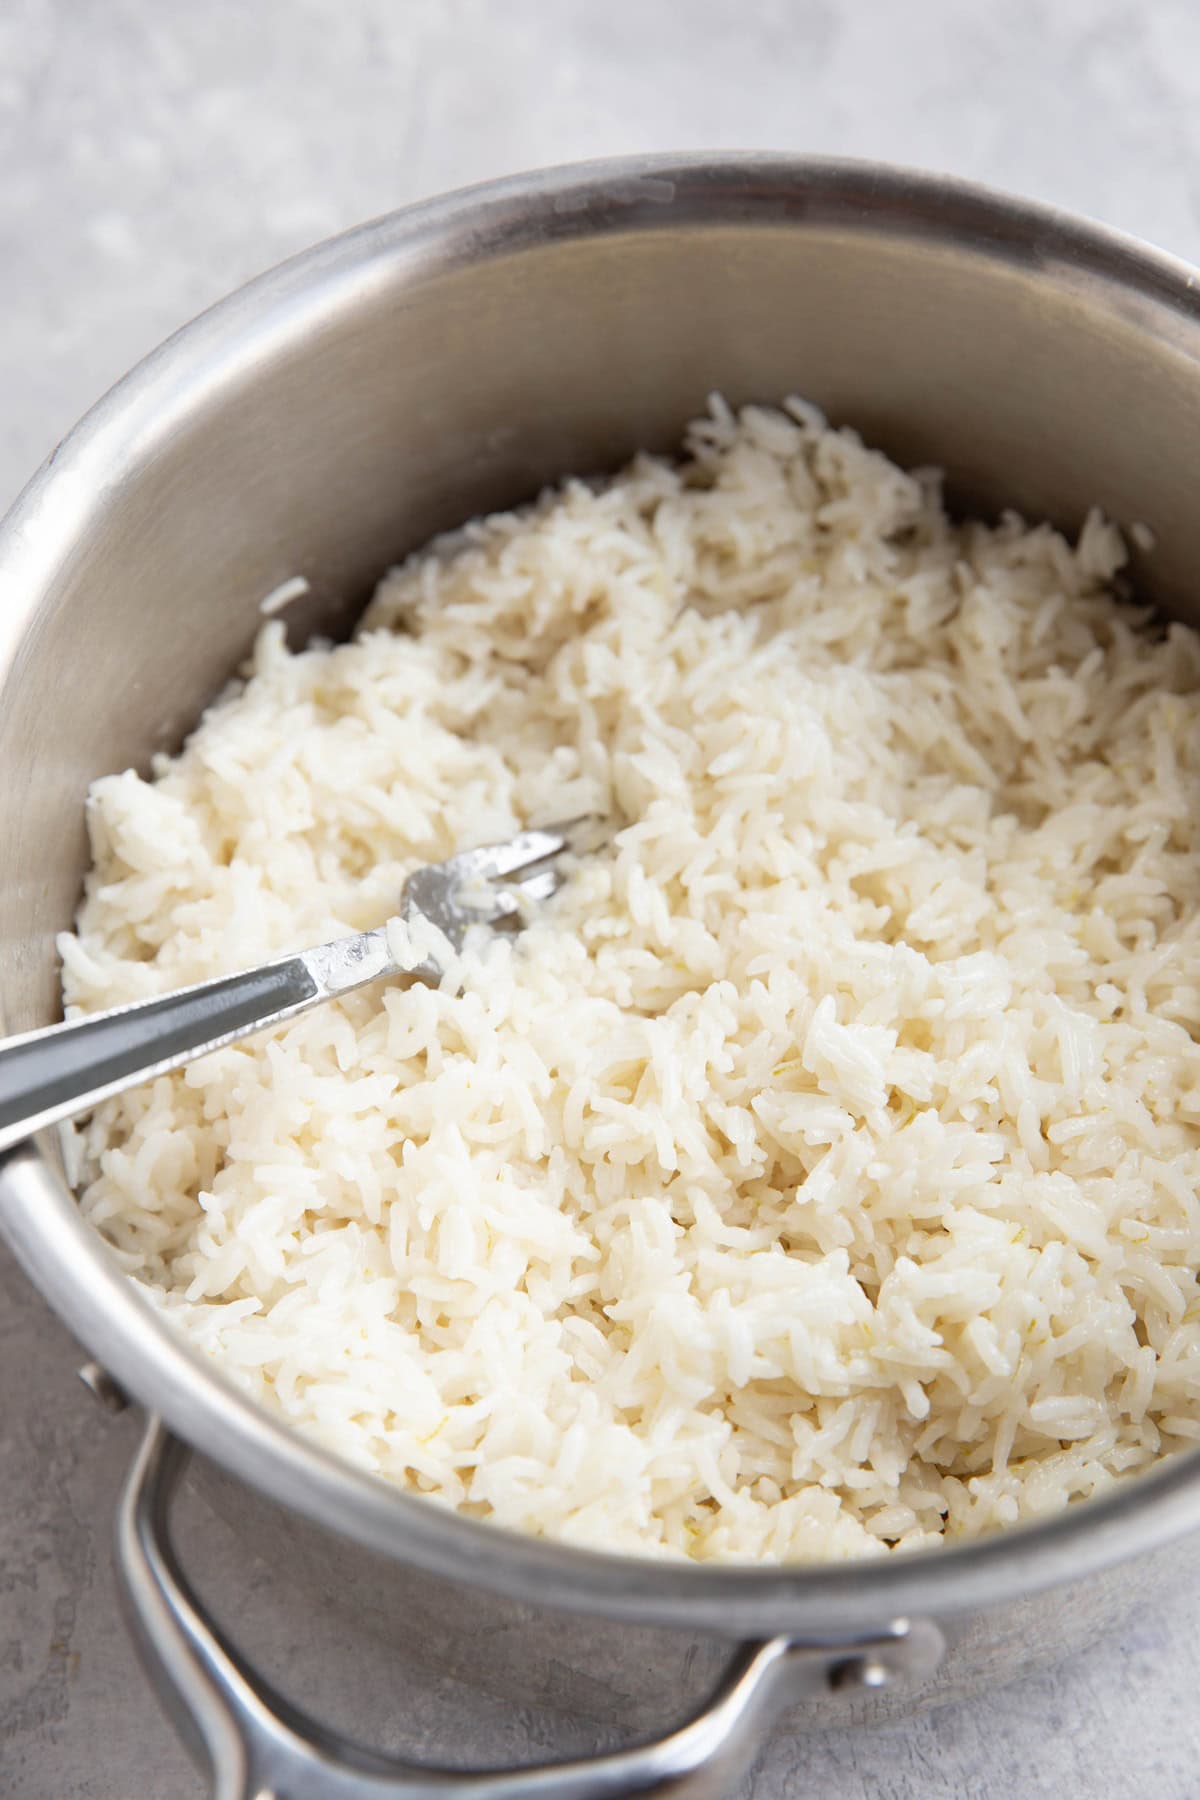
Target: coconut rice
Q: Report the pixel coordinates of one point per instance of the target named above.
(817, 1173)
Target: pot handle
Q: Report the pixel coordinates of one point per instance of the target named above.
(257, 1746)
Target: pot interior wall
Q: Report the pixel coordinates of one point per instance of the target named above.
(336, 432)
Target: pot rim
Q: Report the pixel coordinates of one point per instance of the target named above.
(70, 1263)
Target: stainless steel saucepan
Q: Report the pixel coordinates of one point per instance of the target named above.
(319, 424)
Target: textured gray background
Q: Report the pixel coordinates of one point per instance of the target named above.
(155, 153)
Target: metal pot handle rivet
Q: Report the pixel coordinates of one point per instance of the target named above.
(257, 1746)
(103, 1389)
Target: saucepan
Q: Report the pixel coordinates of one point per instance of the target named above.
(330, 417)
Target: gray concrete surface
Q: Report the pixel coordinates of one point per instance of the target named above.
(153, 154)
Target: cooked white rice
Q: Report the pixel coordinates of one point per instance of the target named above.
(818, 1173)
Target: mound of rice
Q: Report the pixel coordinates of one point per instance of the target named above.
(817, 1174)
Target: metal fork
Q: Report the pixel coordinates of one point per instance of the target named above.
(49, 1075)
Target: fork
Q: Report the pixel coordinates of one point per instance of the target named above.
(49, 1075)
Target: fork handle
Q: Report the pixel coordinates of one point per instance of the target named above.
(48, 1075)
